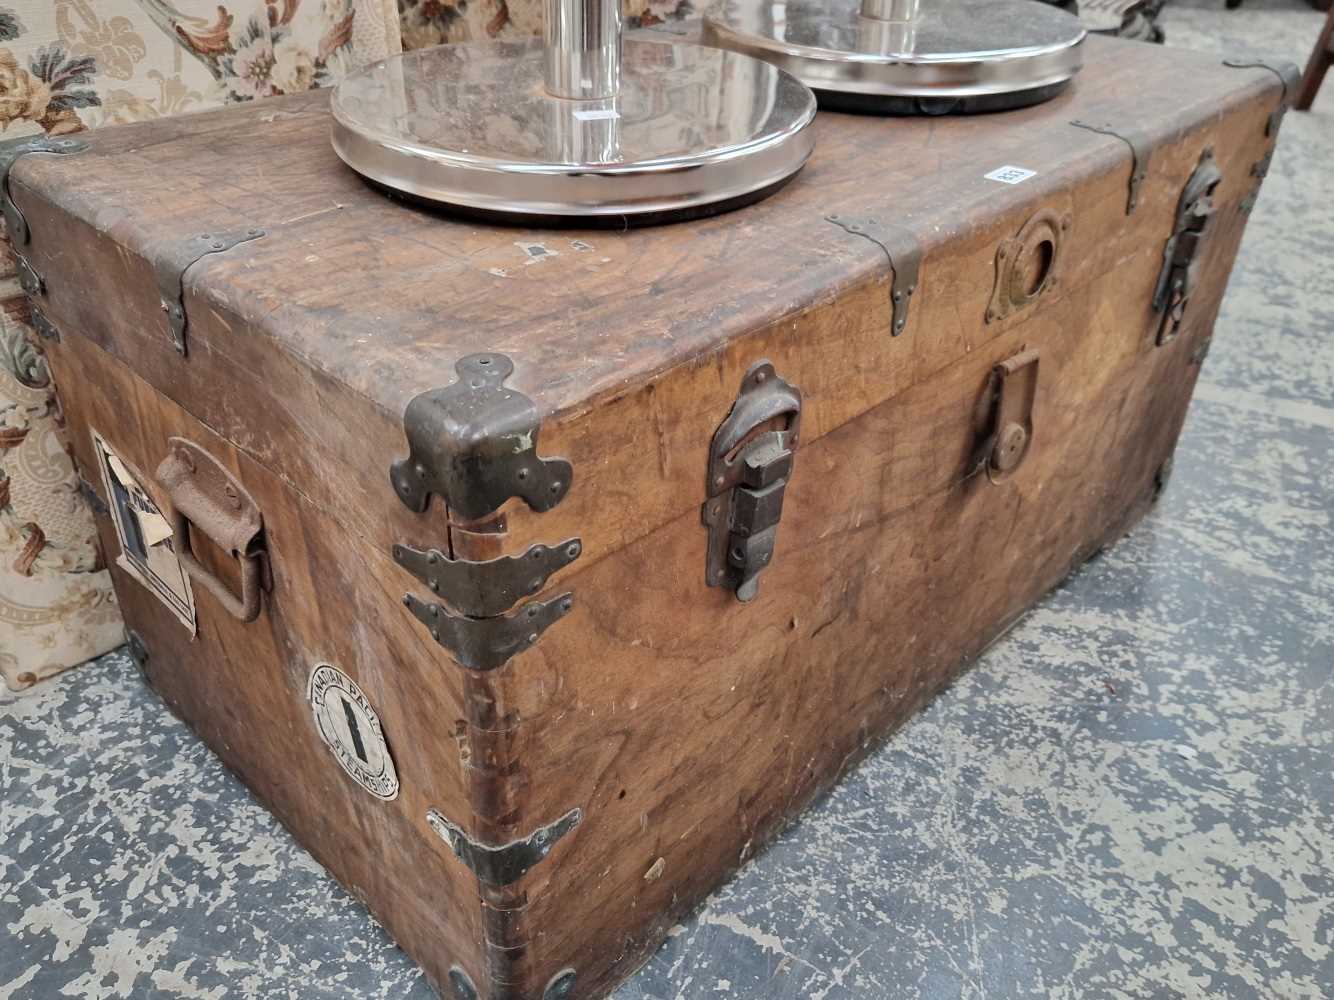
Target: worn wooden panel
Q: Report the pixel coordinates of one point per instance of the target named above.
(687, 727)
(352, 304)
(243, 687)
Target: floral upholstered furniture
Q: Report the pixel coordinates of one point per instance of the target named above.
(434, 22)
(71, 65)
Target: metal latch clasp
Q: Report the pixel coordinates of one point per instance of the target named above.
(1006, 416)
(1179, 274)
(750, 462)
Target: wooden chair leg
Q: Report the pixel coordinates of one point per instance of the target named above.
(1315, 69)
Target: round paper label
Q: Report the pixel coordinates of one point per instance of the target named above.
(350, 727)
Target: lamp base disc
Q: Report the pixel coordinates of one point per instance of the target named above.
(956, 56)
(471, 127)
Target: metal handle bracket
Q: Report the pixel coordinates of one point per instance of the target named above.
(205, 497)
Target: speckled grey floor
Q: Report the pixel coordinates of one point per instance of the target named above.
(1131, 796)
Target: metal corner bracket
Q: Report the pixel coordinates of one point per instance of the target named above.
(503, 865)
(474, 444)
(484, 644)
(490, 588)
(175, 259)
(905, 260)
(1140, 151)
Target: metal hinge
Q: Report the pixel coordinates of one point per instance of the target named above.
(137, 648)
(486, 589)
(1178, 277)
(1289, 75)
(905, 260)
(474, 444)
(32, 283)
(484, 644)
(43, 326)
(506, 864)
(91, 497)
(750, 461)
(170, 263)
(1259, 170)
(1005, 415)
(1140, 150)
(15, 223)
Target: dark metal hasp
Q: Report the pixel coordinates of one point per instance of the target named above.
(474, 444)
(750, 462)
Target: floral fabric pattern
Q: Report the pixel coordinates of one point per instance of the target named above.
(434, 22)
(67, 65)
(56, 604)
(71, 65)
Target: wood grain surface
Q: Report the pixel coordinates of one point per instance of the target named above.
(686, 726)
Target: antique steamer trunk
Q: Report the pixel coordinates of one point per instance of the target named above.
(687, 518)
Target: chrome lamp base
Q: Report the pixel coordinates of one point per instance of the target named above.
(909, 56)
(670, 130)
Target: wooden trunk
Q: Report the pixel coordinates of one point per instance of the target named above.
(589, 784)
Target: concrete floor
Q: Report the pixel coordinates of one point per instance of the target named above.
(1130, 796)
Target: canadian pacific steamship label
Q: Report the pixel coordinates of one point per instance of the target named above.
(350, 727)
(144, 533)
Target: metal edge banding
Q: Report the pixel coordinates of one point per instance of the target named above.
(490, 588)
(171, 267)
(1289, 76)
(504, 864)
(904, 251)
(1140, 152)
(17, 225)
(485, 644)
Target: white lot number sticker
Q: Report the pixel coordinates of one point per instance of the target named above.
(350, 727)
(145, 536)
(1010, 175)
